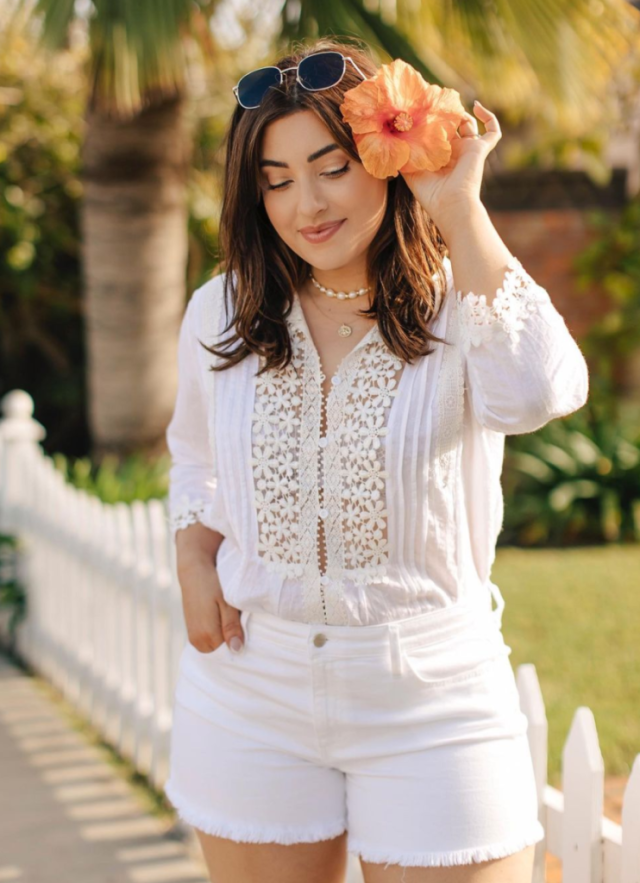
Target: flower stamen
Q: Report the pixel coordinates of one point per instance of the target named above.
(403, 121)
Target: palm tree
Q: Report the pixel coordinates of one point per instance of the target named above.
(138, 146)
(135, 159)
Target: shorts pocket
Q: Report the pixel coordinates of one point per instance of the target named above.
(193, 660)
(458, 661)
(209, 654)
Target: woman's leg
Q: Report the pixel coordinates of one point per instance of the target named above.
(324, 861)
(516, 868)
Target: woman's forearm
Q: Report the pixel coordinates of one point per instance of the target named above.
(478, 255)
(196, 544)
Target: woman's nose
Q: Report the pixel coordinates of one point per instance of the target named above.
(311, 201)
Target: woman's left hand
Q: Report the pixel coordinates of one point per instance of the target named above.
(456, 186)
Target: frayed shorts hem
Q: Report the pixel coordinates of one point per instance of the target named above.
(438, 859)
(288, 835)
(243, 833)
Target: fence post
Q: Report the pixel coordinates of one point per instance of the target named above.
(630, 870)
(583, 790)
(20, 435)
(18, 431)
(532, 705)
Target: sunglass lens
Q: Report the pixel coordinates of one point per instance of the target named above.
(322, 70)
(254, 85)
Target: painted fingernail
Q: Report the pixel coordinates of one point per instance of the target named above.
(235, 644)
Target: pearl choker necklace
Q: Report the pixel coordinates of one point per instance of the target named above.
(341, 295)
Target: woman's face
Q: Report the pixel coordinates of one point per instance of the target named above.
(308, 180)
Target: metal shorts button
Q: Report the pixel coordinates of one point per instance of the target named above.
(320, 640)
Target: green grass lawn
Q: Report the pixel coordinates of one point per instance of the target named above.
(575, 614)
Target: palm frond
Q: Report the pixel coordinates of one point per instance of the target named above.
(349, 20)
(553, 57)
(137, 48)
(556, 58)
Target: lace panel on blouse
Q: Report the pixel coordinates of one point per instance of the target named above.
(324, 496)
(519, 296)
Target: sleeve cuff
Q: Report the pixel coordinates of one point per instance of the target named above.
(186, 511)
(518, 297)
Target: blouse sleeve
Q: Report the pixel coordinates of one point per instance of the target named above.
(192, 481)
(522, 366)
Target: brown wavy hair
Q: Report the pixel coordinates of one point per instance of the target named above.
(262, 272)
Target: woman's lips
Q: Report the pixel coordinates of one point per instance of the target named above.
(324, 234)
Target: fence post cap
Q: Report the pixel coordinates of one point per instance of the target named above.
(17, 422)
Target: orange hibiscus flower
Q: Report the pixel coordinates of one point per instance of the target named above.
(401, 123)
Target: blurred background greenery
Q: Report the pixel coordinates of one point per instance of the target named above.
(111, 120)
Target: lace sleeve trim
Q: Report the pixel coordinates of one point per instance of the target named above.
(518, 298)
(185, 512)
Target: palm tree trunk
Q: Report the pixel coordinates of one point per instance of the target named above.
(134, 252)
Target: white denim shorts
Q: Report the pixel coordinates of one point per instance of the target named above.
(409, 735)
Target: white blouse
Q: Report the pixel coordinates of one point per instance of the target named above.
(396, 509)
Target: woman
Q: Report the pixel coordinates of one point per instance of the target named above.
(335, 496)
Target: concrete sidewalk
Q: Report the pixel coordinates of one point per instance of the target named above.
(68, 815)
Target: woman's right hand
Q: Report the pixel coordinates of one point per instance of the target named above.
(210, 621)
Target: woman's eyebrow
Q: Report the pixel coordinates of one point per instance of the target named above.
(316, 155)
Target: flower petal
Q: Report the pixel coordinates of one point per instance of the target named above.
(449, 109)
(402, 85)
(361, 108)
(382, 155)
(429, 148)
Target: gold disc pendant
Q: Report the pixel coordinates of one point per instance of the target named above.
(344, 330)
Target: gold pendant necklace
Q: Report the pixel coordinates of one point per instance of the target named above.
(344, 330)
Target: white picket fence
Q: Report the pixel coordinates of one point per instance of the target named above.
(105, 625)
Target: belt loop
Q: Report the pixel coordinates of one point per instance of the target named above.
(394, 649)
(246, 614)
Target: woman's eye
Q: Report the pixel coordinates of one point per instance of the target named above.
(334, 174)
(337, 172)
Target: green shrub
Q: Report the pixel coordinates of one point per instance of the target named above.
(12, 594)
(114, 481)
(612, 261)
(41, 327)
(575, 481)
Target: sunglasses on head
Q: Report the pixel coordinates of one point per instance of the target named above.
(322, 70)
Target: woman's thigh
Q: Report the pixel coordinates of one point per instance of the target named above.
(515, 868)
(232, 862)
